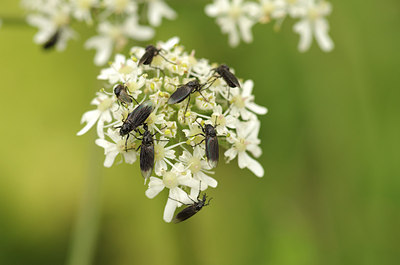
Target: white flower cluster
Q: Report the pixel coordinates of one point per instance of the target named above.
(117, 21)
(180, 158)
(237, 17)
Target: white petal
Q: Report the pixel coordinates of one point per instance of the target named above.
(103, 46)
(104, 143)
(246, 161)
(169, 210)
(247, 88)
(256, 108)
(245, 25)
(156, 185)
(130, 156)
(138, 32)
(209, 181)
(212, 10)
(158, 10)
(321, 35)
(90, 117)
(303, 28)
(110, 157)
(230, 153)
(255, 150)
(170, 43)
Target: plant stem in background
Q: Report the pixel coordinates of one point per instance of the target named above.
(86, 228)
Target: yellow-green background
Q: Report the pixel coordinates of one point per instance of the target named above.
(331, 192)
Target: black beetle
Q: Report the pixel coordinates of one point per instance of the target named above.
(52, 41)
(146, 152)
(149, 54)
(212, 147)
(225, 73)
(191, 209)
(184, 91)
(136, 118)
(230, 79)
(121, 92)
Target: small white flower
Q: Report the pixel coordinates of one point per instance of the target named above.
(163, 155)
(223, 121)
(111, 150)
(100, 115)
(120, 6)
(81, 9)
(50, 24)
(243, 102)
(272, 9)
(314, 23)
(121, 70)
(157, 9)
(246, 140)
(172, 180)
(116, 36)
(235, 17)
(199, 167)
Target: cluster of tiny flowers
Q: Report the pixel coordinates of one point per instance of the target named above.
(117, 22)
(237, 17)
(180, 161)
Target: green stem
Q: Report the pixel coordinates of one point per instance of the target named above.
(86, 228)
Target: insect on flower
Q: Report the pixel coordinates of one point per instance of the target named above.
(230, 79)
(191, 209)
(136, 118)
(184, 91)
(121, 92)
(146, 152)
(52, 41)
(150, 53)
(212, 147)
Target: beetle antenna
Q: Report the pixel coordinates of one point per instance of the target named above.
(166, 59)
(179, 201)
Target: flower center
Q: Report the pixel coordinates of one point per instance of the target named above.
(235, 12)
(61, 19)
(195, 164)
(120, 5)
(121, 146)
(170, 180)
(221, 121)
(268, 8)
(84, 4)
(241, 145)
(105, 104)
(313, 13)
(159, 151)
(239, 101)
(125, 69)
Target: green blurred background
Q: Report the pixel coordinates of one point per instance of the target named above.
(331, 193)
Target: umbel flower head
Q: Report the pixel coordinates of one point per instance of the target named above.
(237, 17)
(172, 113)
(117, 22)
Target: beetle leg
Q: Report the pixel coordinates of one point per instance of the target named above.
(203, 96)
(126, 142)
(187, 105)
(208, 203)
(199, 143)
(133, 99)
(197, 135)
